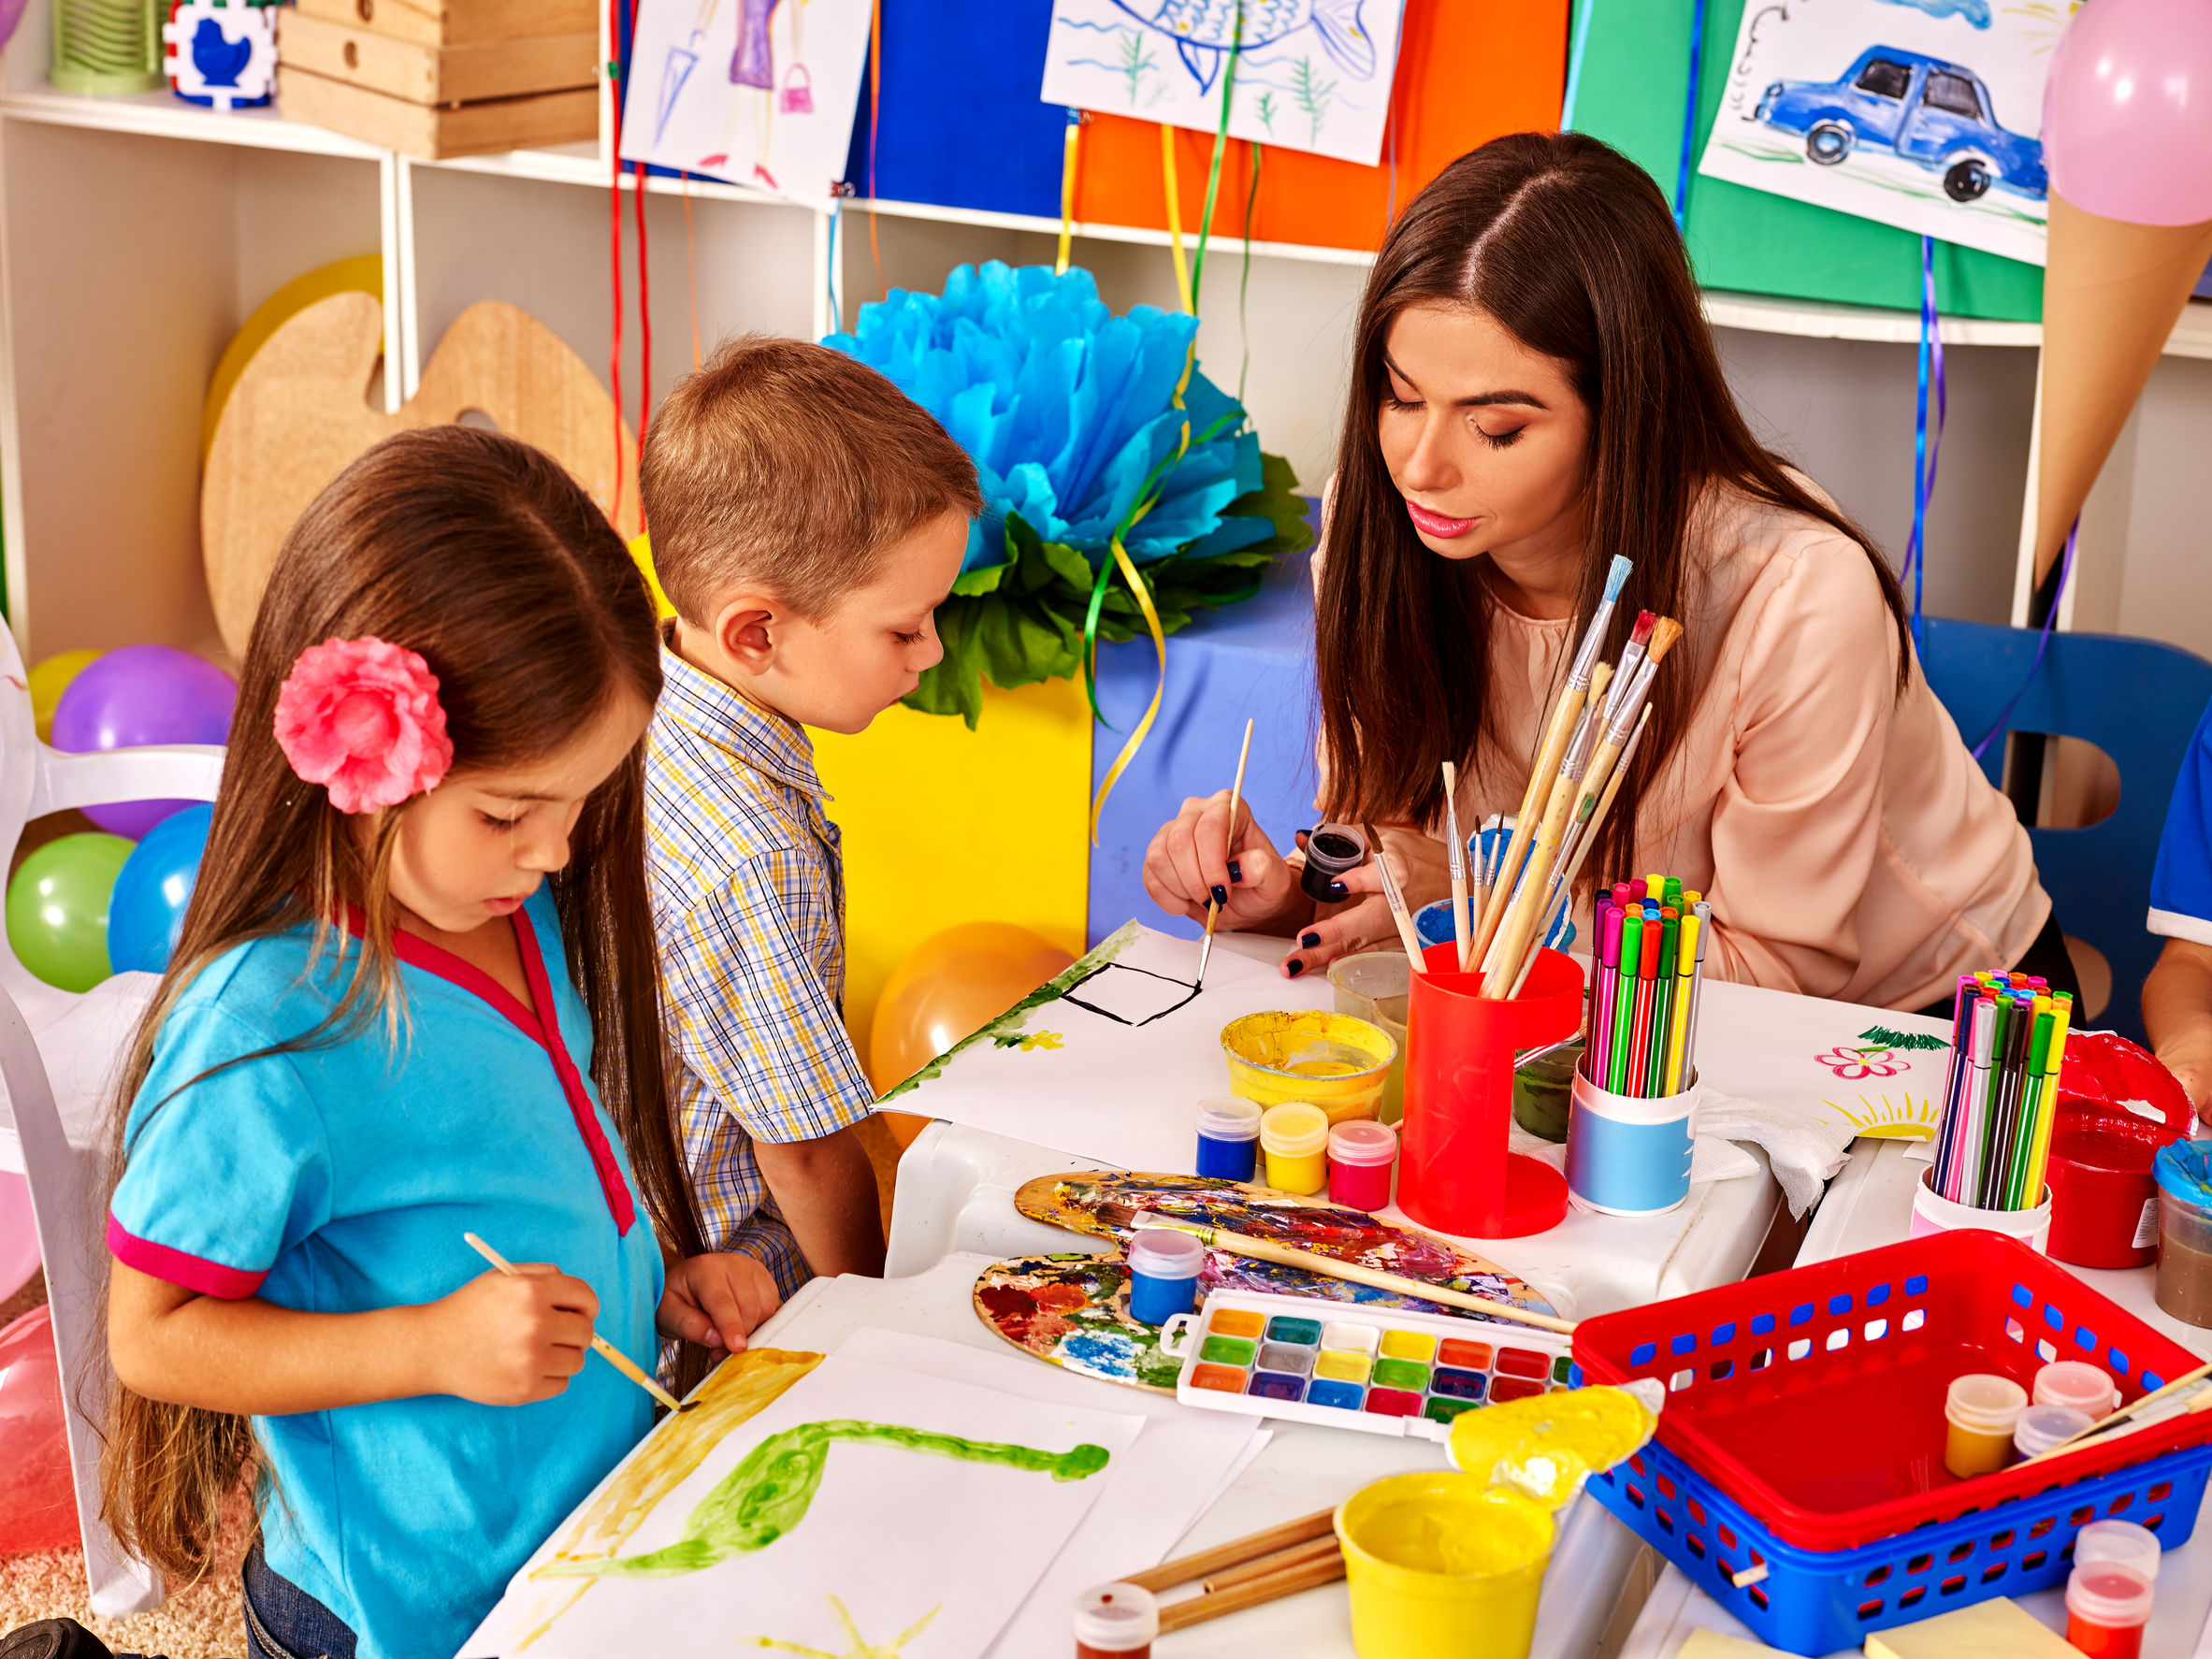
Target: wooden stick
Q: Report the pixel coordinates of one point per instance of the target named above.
(1213, 911)
(1455, 856)
(1253, 1593)
(1585, 837)
(1252, 1547)
(2186, 1380)
(1568, 711)
(600, 1346)
(1408, 935)
(1269, 1565)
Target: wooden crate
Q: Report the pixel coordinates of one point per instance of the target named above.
(436, 131)
(436, 74)
(460, 22)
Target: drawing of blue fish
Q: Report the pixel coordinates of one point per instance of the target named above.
(1204, 30)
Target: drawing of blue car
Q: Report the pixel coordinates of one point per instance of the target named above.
(1920, 108)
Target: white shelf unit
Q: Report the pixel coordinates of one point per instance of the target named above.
(138, 233)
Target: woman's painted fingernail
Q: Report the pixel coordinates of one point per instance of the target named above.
(1236, 872)
(1338, 890)
(1310, 940)
(1293, 967)
(1221, 894)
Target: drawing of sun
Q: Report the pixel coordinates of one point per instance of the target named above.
(861, 1648)
(1903, 1120)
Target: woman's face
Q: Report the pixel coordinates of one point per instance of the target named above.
(1485, 438)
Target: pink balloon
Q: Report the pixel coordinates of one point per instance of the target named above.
(2127, 113)
(38, 1499)
(19, 1238)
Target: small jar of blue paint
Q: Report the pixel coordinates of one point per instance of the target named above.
(1163, 1266)
(1229, 1139)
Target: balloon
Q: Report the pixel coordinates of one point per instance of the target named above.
(57, 908)
(146, 912)
(19, 1237)
(2127, 111)
(951, 984)
(38, 1499)
(48, 679)
(143, 694)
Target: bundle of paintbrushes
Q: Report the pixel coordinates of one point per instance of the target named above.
(2008, 1039)
(1647, 966)
(1588, 746)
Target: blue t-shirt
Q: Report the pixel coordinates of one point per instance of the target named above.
(2181, 883)
(340, 1180)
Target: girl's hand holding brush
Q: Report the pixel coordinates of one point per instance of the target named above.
(511, 1339)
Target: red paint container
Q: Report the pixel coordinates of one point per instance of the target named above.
(1361, 1153)
(1454, 1173)
(2104, 1196)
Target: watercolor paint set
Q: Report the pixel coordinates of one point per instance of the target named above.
(1380, 1370)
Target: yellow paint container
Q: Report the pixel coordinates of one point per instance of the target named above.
(1294, 1136)
(1442, 1565)
(1332, 1060)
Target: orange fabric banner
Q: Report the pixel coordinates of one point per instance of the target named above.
(1467, 73)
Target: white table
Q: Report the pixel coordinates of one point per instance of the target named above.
(1871, 1204)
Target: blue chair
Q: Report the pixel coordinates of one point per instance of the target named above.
(2136, 699)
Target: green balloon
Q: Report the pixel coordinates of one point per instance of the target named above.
(57, 908)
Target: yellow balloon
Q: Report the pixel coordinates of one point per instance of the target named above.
(48, 679)
(952, 984)
(640, 550)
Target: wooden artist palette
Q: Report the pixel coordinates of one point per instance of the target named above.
(1070, 1201)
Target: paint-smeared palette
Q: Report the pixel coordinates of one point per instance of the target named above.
(1072, 1200)
(1374, 1369)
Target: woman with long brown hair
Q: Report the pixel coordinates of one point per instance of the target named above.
(414, 998)
(1534, 392)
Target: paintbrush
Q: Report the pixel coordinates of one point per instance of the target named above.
(1283, 1537)
(1455, 852)
(600, 1346)
(1129, 1218)
(1407, 936)
(1213, 911)
(1246, 1572)
(1583, 837)
(2187, 1380)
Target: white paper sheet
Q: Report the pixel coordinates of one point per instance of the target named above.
(1182, 1462)
(1949, 104)
(926, 1554)
(1311, 75)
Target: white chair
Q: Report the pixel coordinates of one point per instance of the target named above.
(59, 1055)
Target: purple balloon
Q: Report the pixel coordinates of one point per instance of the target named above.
(140, 695)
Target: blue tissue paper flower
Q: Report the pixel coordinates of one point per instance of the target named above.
(1066, 408)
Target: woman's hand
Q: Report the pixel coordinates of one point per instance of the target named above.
(717, 1301)
(1201, 855)
(1364, 921)
(509, 1341)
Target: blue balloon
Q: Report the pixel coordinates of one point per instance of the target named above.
(146, 911)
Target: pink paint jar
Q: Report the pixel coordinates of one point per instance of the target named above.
(1362, 1153)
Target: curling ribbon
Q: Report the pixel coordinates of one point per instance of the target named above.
(1071, 151)
(1175, 216)
(2043, 640)
(1926, 443)
(1690, 117)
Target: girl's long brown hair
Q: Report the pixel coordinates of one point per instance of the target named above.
(1570, 246)
(481, 554)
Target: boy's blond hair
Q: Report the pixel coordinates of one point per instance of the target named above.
(791, 469)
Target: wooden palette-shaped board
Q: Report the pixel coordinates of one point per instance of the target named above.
(1070, 1201)
(300, 413)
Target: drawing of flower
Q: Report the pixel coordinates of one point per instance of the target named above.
(1854, 1063)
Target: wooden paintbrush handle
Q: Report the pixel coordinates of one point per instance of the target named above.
(1252, 1547)
(1266, 1566)
(1252, 1592)
(1260, 1249)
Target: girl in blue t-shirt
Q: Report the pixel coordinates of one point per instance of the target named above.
(416, 997)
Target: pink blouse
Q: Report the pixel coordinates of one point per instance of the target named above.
(1847, 842)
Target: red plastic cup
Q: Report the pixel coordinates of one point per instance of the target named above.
(1454, 1173)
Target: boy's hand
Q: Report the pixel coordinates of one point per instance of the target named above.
(509, 1341)
(717, 1301)
(2177, 1011)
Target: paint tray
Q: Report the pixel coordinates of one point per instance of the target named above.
(1378, 1370)
(1813, 1398)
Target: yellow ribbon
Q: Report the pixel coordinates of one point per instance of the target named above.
(1071, 150)
(1175, 215)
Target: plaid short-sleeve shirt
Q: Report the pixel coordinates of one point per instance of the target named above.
(749, 903)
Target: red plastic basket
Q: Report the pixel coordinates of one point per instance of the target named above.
(1814, 1398)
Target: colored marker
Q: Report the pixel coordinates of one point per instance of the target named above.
(1616, 1064)
(1678, 1035)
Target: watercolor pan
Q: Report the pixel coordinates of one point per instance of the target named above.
(1376, 1369)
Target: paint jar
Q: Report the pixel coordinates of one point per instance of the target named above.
(1295, 1138)
(1360, 1159)
(1981, 1410)
(1121, 1619)
(1442, 1565)
(1331, 850)
(1326, 1059)
(2184, 1283)
(1543, 1090)
(1370, 984)
(1228, 1138)
(2105, 1198)
(2088, 1389)
(1455, 1170)
(1163, 1267)
(2119, 1540)
(2041, 1427)
(2106, 1606)
(1630, 1157)
(1934, 1213)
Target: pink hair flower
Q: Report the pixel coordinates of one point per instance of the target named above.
(362, 718)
